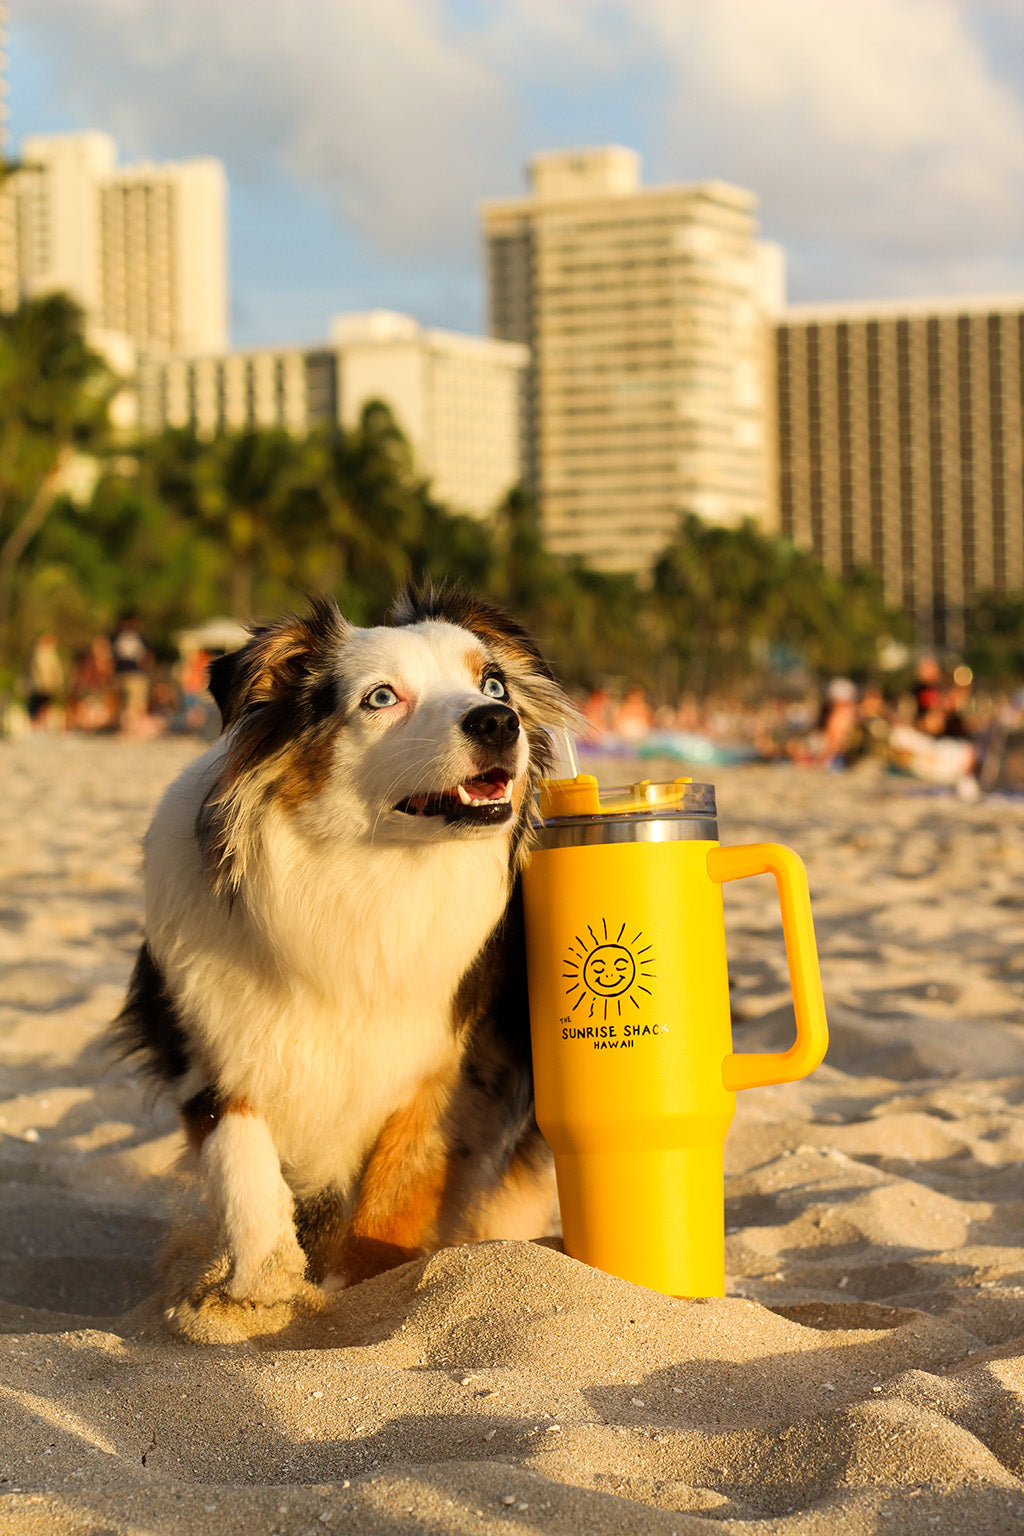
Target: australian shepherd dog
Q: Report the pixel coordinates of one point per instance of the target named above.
(331, 984)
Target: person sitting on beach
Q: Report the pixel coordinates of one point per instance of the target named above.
(132, 661)
(634, 718)
(939, 747)
(874, 721)
(93, 695)
(46, 681)
(597, 710)
(928, 689)
(835, 740)
(958, 722)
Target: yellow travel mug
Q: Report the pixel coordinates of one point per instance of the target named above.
(634, 1071)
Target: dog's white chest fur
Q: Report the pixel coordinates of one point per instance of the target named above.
(323, 996)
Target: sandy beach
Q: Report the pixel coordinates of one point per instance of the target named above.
(864, 1374)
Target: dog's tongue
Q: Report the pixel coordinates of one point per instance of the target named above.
(485, 789)
(490, 786)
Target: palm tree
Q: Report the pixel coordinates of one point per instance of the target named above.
(362, 511)
(54, 397)
(380, 523)
(726, 594)
(236, 490)
(252, 476)
(994, 648)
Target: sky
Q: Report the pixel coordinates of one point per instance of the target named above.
(884, 139)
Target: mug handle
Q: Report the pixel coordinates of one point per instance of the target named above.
(757, 1069)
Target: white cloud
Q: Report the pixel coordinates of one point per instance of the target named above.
(871, 125)
(884, 138)
(375, 104)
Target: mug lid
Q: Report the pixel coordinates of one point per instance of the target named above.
(580, 799)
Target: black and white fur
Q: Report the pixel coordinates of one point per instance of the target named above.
(332, 981)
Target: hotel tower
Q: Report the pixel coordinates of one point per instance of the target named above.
(646, 310)
(142, 248)
(901, 447)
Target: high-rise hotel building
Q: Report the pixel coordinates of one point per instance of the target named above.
(901, 447)
(142, 248)
(646, 312)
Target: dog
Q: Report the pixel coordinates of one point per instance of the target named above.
(332, 979)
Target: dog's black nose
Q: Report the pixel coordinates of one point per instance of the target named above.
(492, 725)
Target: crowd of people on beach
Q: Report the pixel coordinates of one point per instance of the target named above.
(114, 685)
(938, 729)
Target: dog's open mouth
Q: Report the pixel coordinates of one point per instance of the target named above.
(487, 798)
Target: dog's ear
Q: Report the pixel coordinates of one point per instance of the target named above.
(277, 660)
(220, 679)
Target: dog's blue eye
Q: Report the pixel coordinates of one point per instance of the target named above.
(494, 688)
(381, 698)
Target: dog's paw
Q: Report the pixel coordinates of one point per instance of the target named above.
(207, 1302)
(269, 1279)
(211, 1316)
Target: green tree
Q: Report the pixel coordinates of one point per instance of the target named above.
(527, 578)
(54, 397)
(237, 491)
(727, 598)
(715, 599)
(994, 646)
(128, 550)
(373, 510)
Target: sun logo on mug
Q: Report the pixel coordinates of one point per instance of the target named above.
(606, 971)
